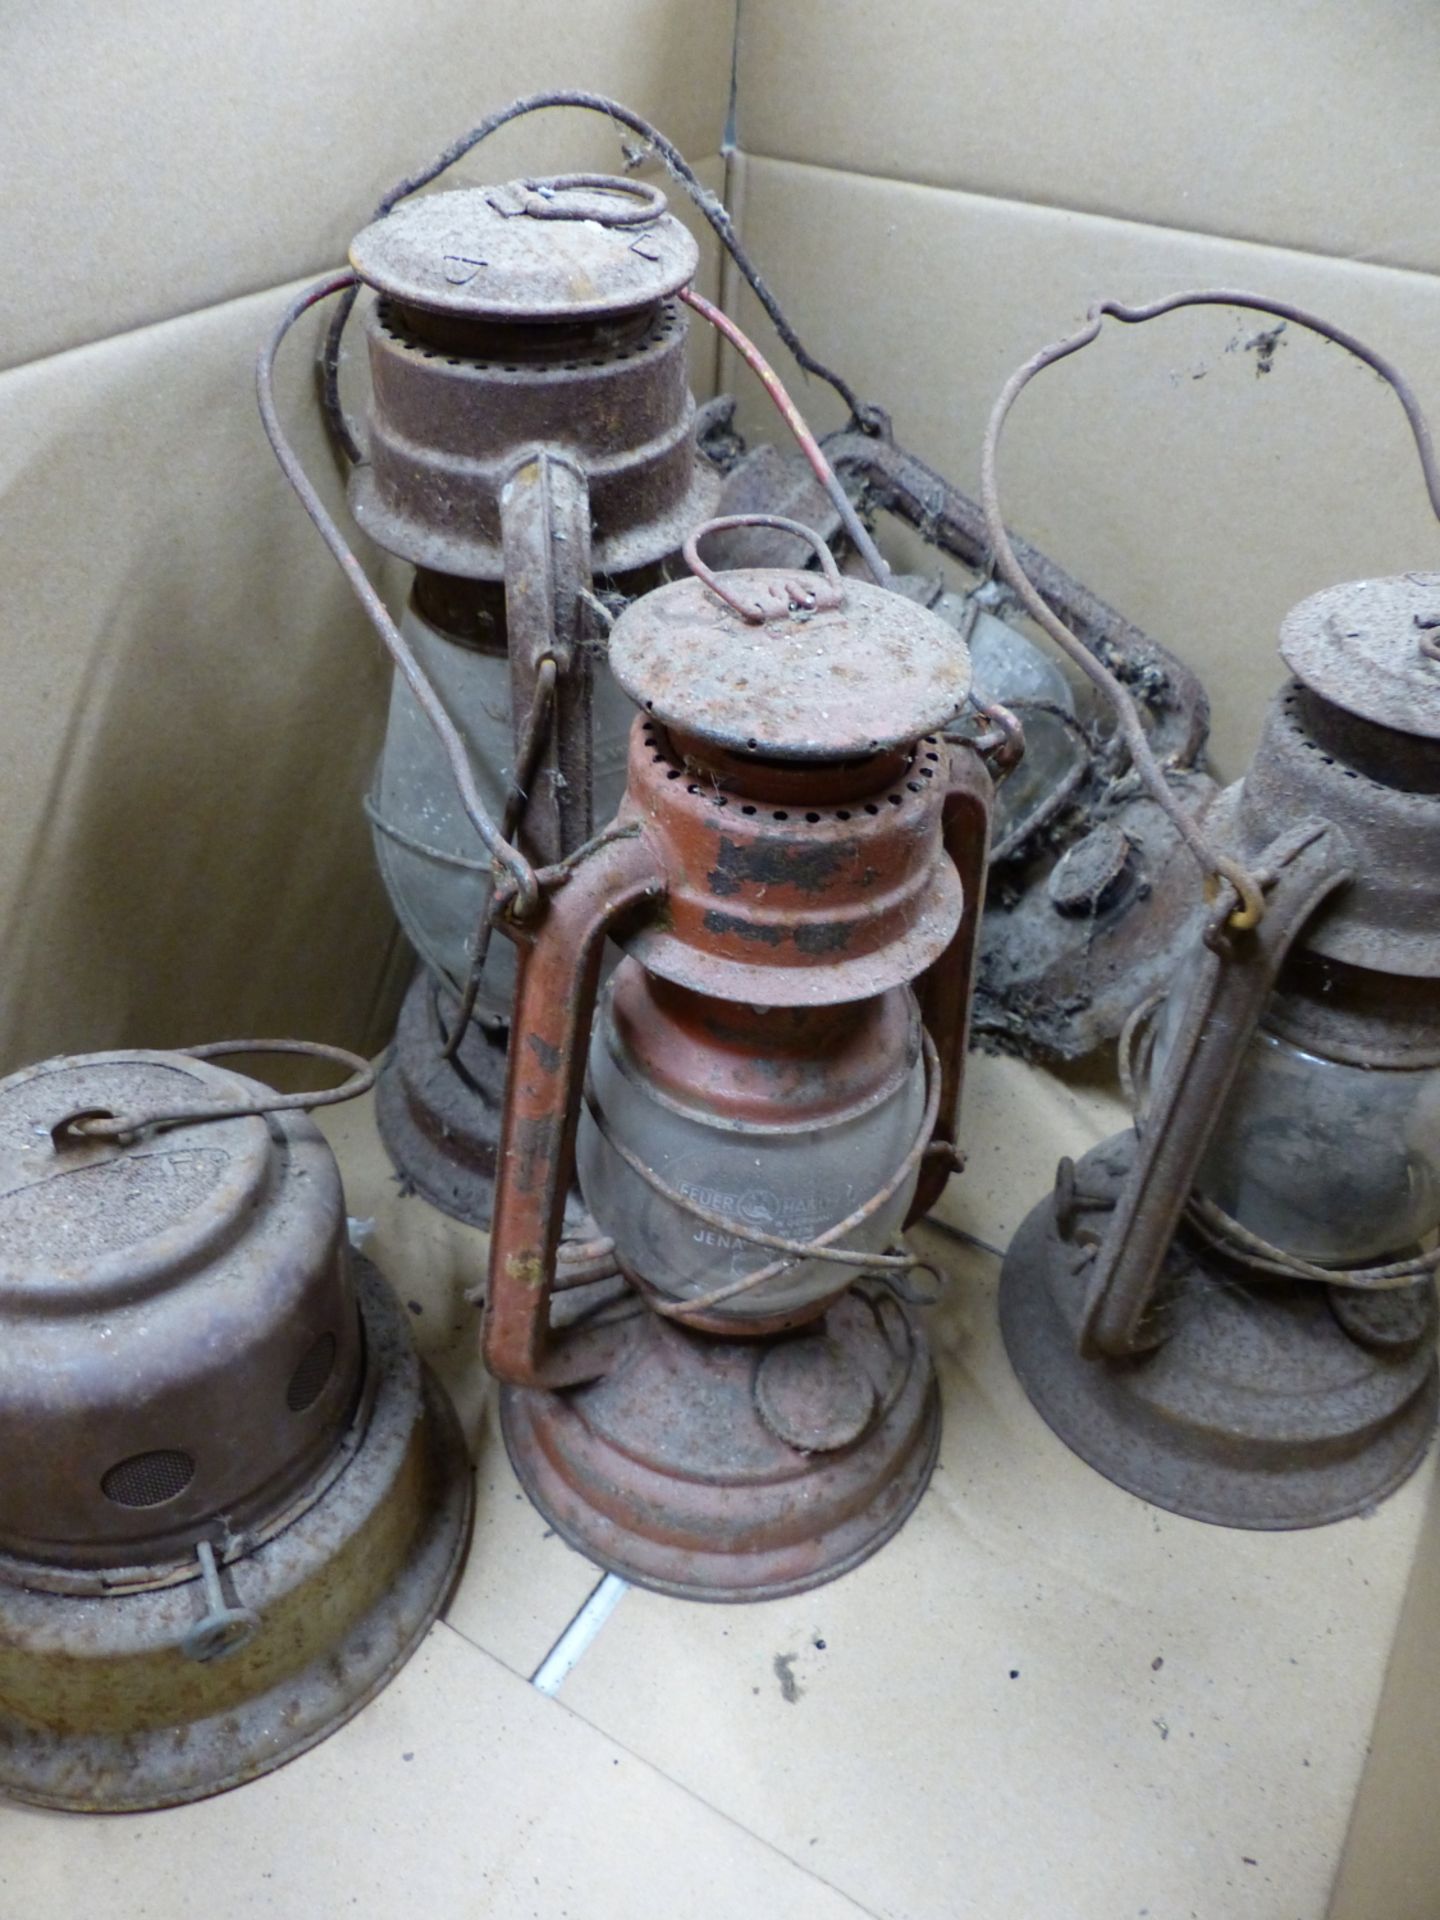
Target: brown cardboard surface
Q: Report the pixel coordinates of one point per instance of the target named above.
(1296, 123)
(521, 1584)
(1043, 1696)
(1199, 498)
(156, 160)
(459, 1794)
(191, 708)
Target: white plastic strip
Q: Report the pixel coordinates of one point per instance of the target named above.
(578, 1635)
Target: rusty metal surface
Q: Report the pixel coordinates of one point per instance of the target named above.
(872, 673)
(439, 1118)
(814, 895)
(835, 906)
(447, 424)
(530, 251)
(729, 1470)
(104, 1706)
(1362, 646)
(156, 1297)
(774, 906)
(1387, 917)
(1261, 1407)
(947, 988)
(545, 523)
(554, 1003)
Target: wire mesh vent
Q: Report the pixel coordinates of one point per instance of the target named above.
(307, 1382)
(149, 1479)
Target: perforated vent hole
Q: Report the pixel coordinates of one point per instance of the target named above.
(307, 1383)
(149, 1479)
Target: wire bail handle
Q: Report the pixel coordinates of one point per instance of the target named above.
(88, 1124)
(770, 598)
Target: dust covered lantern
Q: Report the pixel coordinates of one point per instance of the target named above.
(766, 1093)
(231, 1499)
(530, 434)
(1230, 1310)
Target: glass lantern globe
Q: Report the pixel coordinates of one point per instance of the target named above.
(434, 864)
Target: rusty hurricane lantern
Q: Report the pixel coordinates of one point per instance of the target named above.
(766, 1092)
(232, 1499)
(530, 449)
(530, 435)
(1230, 1310)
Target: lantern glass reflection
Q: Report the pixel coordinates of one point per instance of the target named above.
(792, 1172)
(1335, 1163)
(433, 862)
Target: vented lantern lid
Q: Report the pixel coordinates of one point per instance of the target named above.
(576, 247)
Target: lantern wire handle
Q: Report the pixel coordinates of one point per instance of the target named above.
(714, 211)
(1246, 885)
(859, 534)
(522, 876)
(95, 1123)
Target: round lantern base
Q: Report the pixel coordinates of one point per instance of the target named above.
(439, 1119)
(714, 1469)
(107, 1703)
(1264, 1404)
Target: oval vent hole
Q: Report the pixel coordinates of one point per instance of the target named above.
(149, 1479)
(307, 1383)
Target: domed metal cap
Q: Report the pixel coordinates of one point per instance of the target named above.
(579, 246)
(1372, 648)
(101, 1220)
(789, 665)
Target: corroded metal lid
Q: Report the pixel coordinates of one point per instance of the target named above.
(1372, 648)
(576, 247)
(80, 1214)
(859, 671)
(178, 1329)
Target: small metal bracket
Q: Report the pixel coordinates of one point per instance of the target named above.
(1234, 978)
(222, 1629)
(545, 523)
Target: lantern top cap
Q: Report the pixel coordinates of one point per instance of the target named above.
(577, 246)
(90, 1212)
(788, 664)
(1372, 648)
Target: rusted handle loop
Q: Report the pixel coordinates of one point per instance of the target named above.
(1251, 908)
(651, 202)
(97, 1123)
(796, 593)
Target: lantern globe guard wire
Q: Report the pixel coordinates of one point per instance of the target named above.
(1229, 872)
(521, 874)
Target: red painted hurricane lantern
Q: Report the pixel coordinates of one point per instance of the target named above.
(765, 1094)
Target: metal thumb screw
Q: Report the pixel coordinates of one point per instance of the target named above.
(223, 1629)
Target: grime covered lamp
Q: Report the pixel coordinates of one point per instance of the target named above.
(767, 1092)
(530, 434)
(1230, 1310)
(232, 1500)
